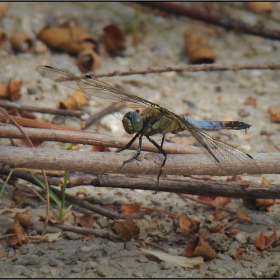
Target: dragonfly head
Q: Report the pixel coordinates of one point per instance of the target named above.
(132, 122)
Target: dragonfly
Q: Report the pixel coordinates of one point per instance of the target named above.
(144, 118)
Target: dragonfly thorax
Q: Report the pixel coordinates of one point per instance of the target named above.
(132, 122)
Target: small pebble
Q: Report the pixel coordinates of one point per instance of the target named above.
(222, 271)
(91, 264)
(65, 272)
(101, 272)
(137, 273)
(72, 235)
(53, 271)
(44, 269)
(257, 274)
(11, 253)
(241, 237)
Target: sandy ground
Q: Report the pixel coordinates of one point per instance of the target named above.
(193, 94)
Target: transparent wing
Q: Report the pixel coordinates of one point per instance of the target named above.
(115, 101)
(221, 153)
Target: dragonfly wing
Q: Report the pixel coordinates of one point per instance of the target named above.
(115, 101)
(226, 156)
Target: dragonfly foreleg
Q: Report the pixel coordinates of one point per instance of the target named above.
(162, 140)
(161, 150)
(138, 150)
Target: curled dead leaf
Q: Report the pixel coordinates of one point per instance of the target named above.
(259, 203)
(17, 195)
(3, 37)
(129, 209)
(113, 39)
(24, 219)
(197, 47)
(126, 230)
(11, 90)
(241, 252)
(200, 248)
(21, 41)
(3, 255)
(275, 114)
(260, 7)
(187, 226)
(264, 242)
(216, 202)
(67, 37)
(4, 6)
(88, 60)
(74, 102)
(16, 240)
(251, 101)
(85, 220)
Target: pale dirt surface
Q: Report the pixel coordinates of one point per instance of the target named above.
(193, 94)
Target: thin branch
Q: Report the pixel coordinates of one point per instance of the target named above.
(205, 188)
(147, 163)
(190, 68)
(215, 19)
(12, 105)
(88, 138)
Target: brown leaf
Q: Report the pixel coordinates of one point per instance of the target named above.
(17, 195)
(197, 47)
(200, 248)
(87, 238)
(113, 39)
(24, 219)
(217, 202)
(96, 148)
(259, 203)
(4, 6)
(11, 90)
(275, 114)
(233, 232)
(88, 60)
(241, 252)
(264, 242)
(67, 37)
(3, 36)
(243, 215)
(126, 230)
(187, 226)
(16, 239)
(260, 7)
(251, 101)
(219, 215)
(74, 102)
(129, 209)
(85, 220)
(3, 255)
(21, 41)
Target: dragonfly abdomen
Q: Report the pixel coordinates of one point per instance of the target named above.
(217, 125)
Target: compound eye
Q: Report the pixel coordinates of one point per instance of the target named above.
(132, 122)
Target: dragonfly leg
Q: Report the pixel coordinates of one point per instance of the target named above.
(161, 150)
(138, 150)
(128, 144)
(162, 140)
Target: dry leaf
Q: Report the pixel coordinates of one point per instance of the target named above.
(11, 90)
(3, 36)
(51, 237)
(217, 202)
(259, 203)
(264, 242)
(67, 37)
(219, 215)
(17, 195)
(176, 260)
(87, 238)
(74, 102)
(197, 47)
(21, 41)
(4, 6)
(251, 101)
(113, 39)
(240, 254)
(96, 148)
(200, 248)
(187, 226)
(16, 239)
(233, 232)
(3, 255)
(126, 230)
(275, 114)
(24, 219)
(129, 209)
(260, 7)
(88, 60)
(85, 220)
(242, 215)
